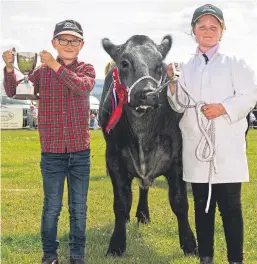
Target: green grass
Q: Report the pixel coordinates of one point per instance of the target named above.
(154, 243)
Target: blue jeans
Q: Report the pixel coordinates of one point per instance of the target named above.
(55, 167)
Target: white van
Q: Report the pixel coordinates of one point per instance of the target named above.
(7, 102)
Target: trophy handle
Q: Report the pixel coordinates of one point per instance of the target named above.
(13, 50)
(14, 53)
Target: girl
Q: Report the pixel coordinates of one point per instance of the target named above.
(216, 92)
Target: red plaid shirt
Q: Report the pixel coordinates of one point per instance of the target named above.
(63, 113)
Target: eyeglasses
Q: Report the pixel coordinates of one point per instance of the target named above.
(73, 42)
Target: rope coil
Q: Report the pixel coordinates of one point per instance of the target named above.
(207, 141)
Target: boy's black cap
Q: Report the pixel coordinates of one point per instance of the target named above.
(208, 10)
(70, 27)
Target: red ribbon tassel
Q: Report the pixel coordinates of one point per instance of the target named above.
(122, 95)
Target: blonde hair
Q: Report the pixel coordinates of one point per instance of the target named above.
(108, 67)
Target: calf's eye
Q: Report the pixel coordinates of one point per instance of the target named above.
(124, 64)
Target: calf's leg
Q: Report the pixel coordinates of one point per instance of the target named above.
(122, 204)
(142, 213)
(179, 205)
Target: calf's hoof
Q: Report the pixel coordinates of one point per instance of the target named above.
(190, 248)
(191, 252)
(115, 252)
(206, 260)
(117, 246)
(143, 218)
(189, 245)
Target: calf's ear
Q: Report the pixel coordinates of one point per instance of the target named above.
(165, 46)
(110, 48)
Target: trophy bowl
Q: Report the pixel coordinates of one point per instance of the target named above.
(26, 62)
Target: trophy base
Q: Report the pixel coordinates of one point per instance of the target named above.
(26, 97)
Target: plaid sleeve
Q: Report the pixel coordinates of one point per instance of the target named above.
(34, 77)
(10, 83)
(80, 82)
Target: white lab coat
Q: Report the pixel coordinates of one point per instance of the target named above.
(227, 80)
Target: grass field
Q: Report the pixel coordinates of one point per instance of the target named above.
(156, 243)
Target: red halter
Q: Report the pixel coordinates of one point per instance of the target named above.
(120, 90)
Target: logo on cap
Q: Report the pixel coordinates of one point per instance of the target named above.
(208, 8)
(69, 25)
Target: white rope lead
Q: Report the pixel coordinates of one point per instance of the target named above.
(209, 199)
(207, 141)
(139, 80)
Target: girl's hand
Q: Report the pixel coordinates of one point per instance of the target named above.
(212, 111)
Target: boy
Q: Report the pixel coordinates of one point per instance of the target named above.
(64, 85)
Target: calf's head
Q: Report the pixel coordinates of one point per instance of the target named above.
(141, 68)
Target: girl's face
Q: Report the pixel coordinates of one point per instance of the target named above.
(208, 31)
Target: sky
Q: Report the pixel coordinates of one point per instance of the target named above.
(29, 26)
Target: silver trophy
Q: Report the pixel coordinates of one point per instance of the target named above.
(26, 62)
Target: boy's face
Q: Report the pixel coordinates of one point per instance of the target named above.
(68, 47)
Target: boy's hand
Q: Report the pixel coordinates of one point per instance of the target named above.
(47, 58)
(8, 58)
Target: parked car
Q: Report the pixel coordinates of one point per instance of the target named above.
(6, 102)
